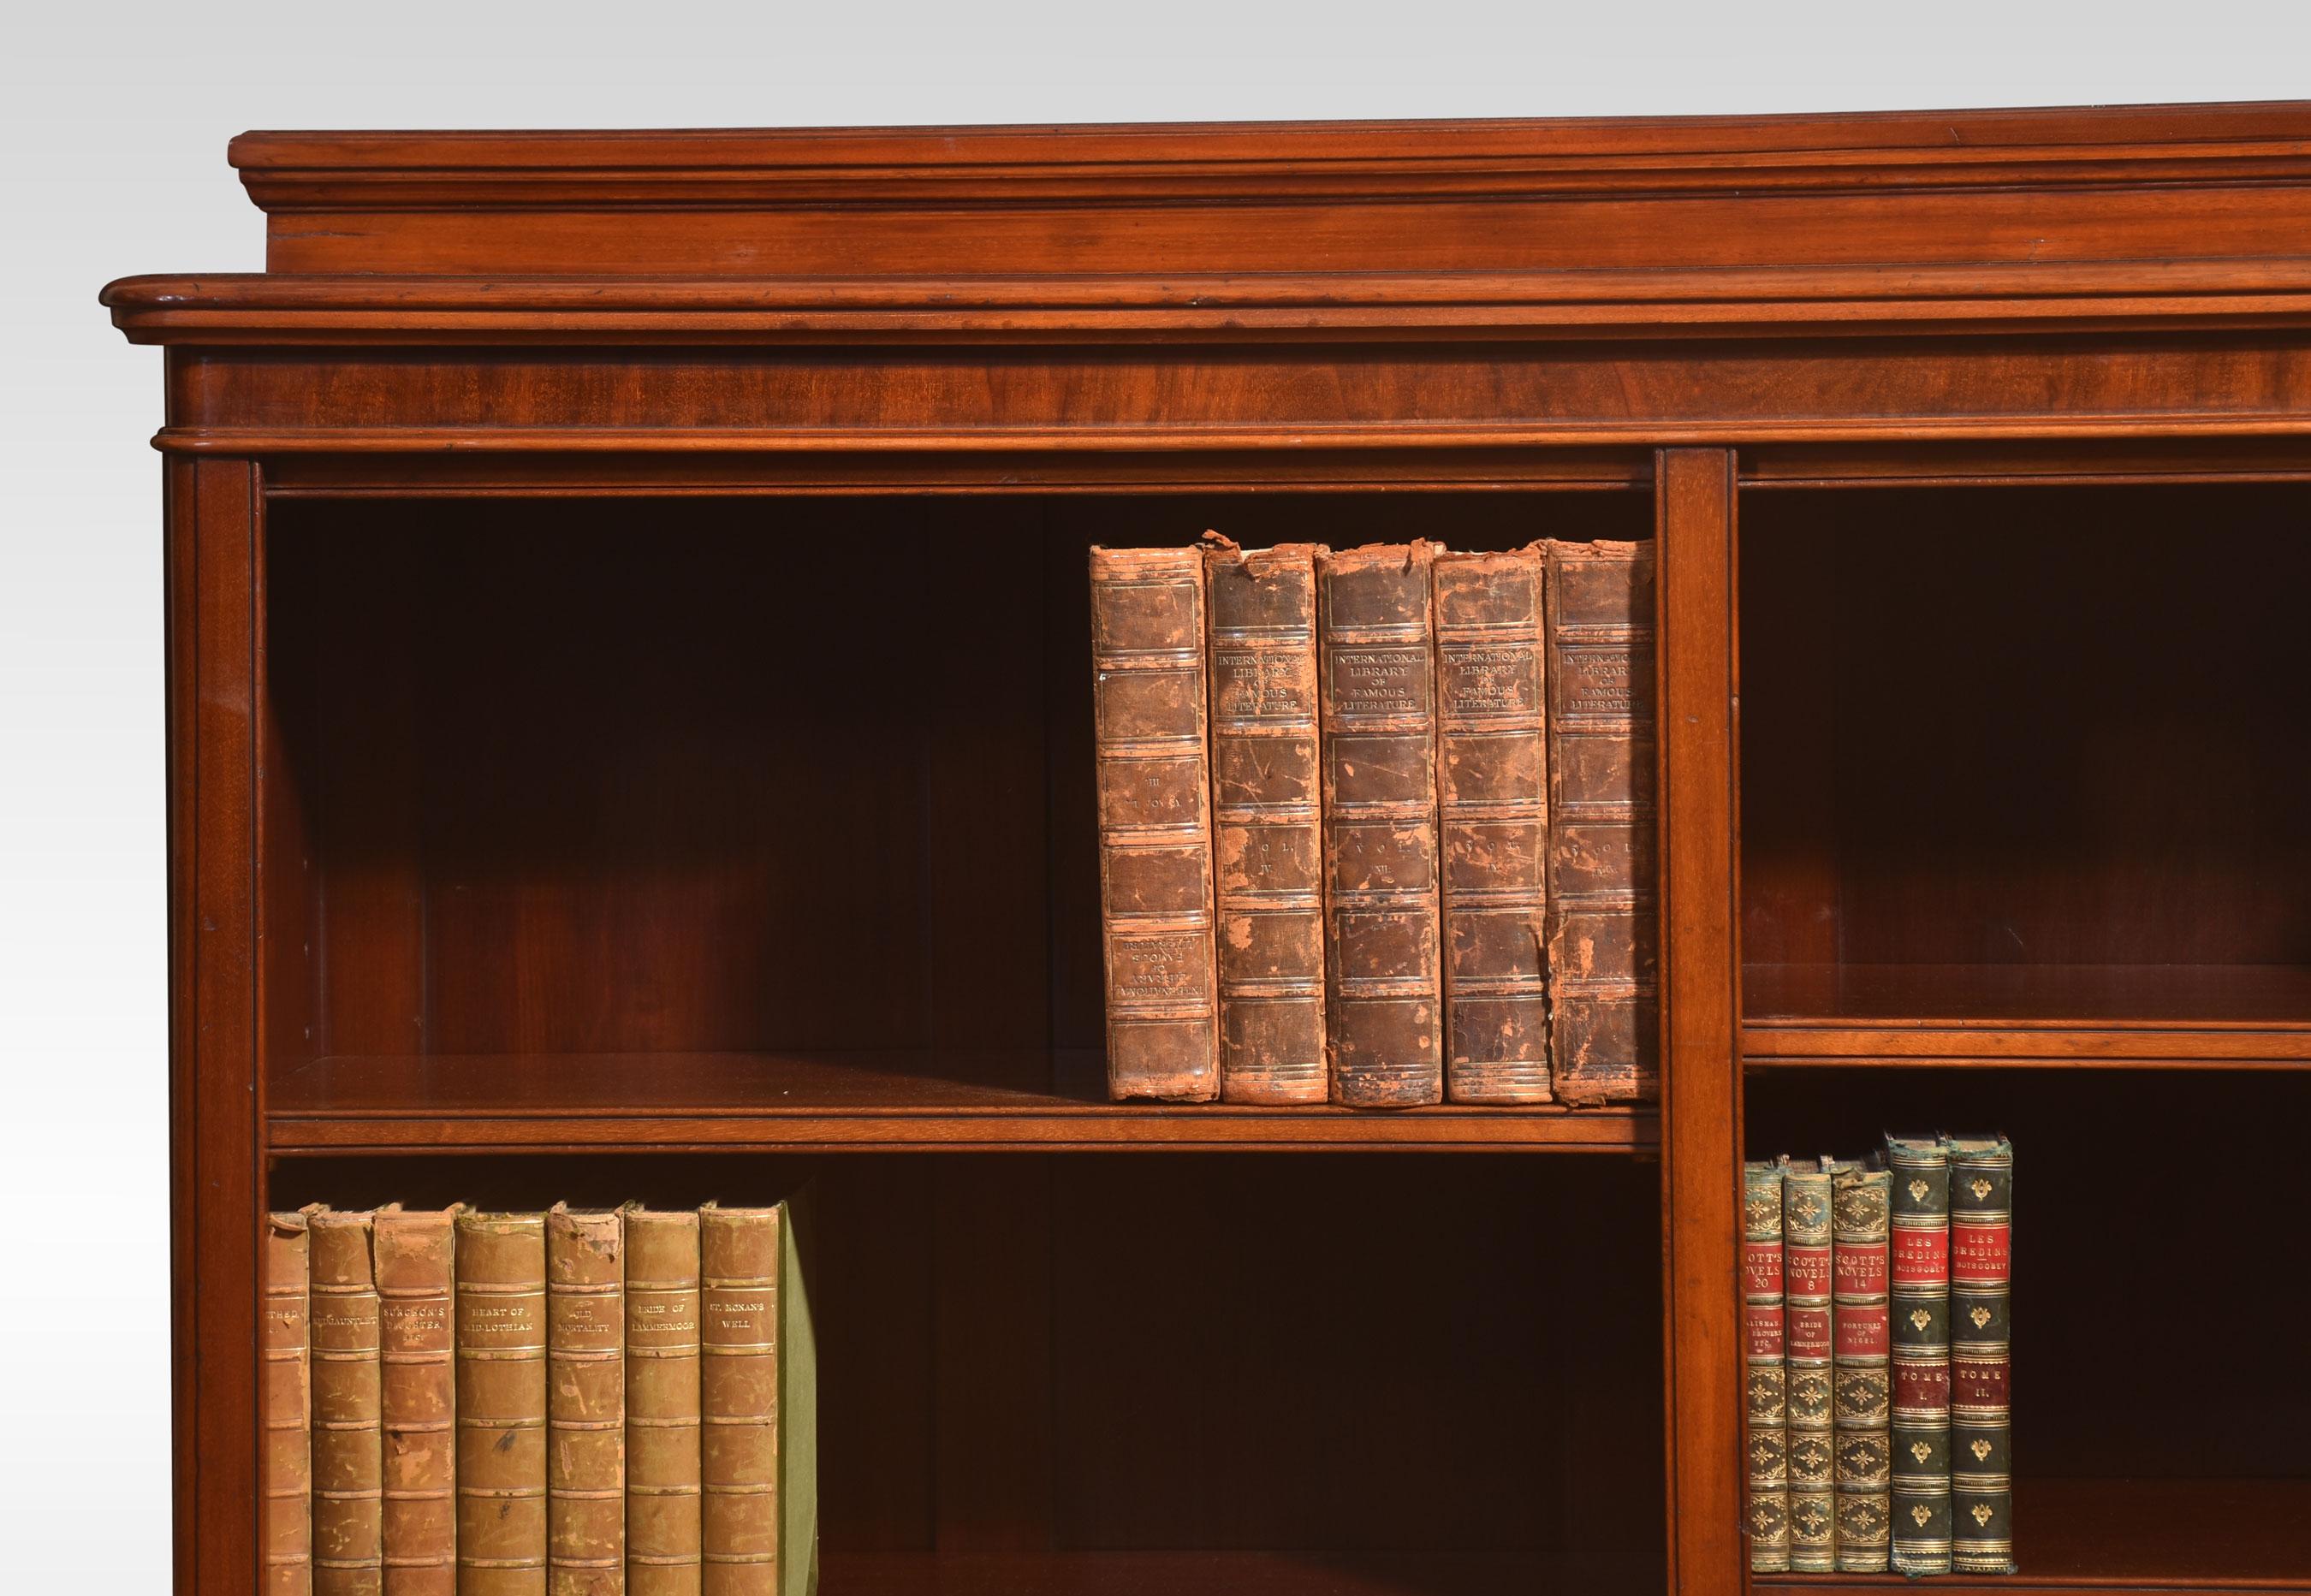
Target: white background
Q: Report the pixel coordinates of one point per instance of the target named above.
(114, 163)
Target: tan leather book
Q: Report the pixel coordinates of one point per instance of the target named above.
(1492, 802)
(585, 1402)
(501, 1404)
(416, 1288)
(1155, 822)
(285, 1335)
(348, 1433)
(1266, 822)
(663, 1507)
(1385, 1017)
(739, 1397)
(1604, 932)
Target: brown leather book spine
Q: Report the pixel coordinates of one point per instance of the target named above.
(663, 1544)
(501, 1404)
(738, 1398)
(1491, 801)
(348, 1420)
(286, 1337)
(416, 1287)
(1267, 824)
(1155, 823)
(585, 1403)
(1604, 936)
(1385, 1019)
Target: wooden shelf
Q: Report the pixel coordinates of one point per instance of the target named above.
(861, 1101)
(2227, 1016)
(1167, 1573)
(2205, 1535)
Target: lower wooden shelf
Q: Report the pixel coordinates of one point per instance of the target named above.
(1192, 1573)
(2199, 1535)
(823, 1101)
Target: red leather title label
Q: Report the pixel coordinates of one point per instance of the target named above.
(1809, 1331)
(1764, 1326)
(1922, 1387)
(1761, 1268)
(1921, 1257)
(1978, 1253)
(1860, 1271)
(1808, 1271)
(1861, 1331)
(1978, 1382)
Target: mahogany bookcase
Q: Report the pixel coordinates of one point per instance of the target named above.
(629, 735)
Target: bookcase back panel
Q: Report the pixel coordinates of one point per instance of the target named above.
(1335, 1358)
(707, 776)
(2031, 726)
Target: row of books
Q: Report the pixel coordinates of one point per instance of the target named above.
(1376, 825)
(1878, 1353)
(584, 1403)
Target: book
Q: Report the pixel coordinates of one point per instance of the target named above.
(1603, 937)
(739, 1252)
(1767, 1385)
(416, 1288)
(1981, 1274)
(1155, 823)
(1919, 1288)
(286, 1378)
(502, 1379)
(1266, 831)
(664, 1551)
(1383, 981)
(1492, 800)
(1860, 1400)
(1806, 1270)
(348, 1422)
(585, 1402)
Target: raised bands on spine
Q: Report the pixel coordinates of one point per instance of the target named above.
(1919, 1299)
(416, 1287)
(738, 1398)
(502, 1401)
(585, 1402)
(287, 1380)
(1767, 1441)
(1980, 1275)
(1862, 1401)
(348, 1425)
(1806, 1269)
(663, 1548)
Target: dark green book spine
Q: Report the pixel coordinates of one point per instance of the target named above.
(1863, 1399)
(1920, 1292)
(1805, 1269)
(1767, 1442)
(1982, 1480)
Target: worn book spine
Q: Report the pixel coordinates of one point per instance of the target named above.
(1806, 1269)
(287, 1393)
(1492, 800)
(1767, 1384)
(348, 1419)
(1981, 1271)
(1862, 1399)
(1267, 824)
(663, 1537)
(501, 1510)
(1384, 980)
(1920, 1294)
(585, 1402)
(1603, 935)
(416, 1287)
(1155, 823)
(738, 1398)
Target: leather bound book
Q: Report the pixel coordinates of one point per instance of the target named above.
(1492, 800)
(1603, 931)
(1385, 986)
(287, 1380)
(1919, 1288)
(738, 1398)
(501, 1513)
(1860, 1400)
(1767, 1384)
(585, 1402)
(1155, 822)
(1267, 824)
(1981, 1269)
(416, 1288)
(348, 1419)
(1806, 1272)
(663, 1545)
